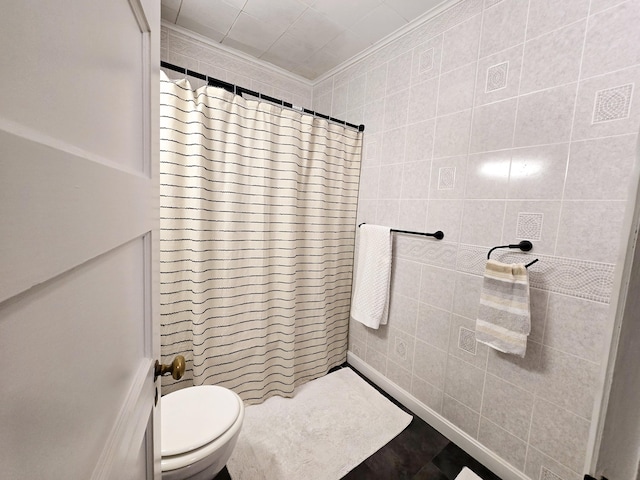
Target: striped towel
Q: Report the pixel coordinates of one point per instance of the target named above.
(504, 319)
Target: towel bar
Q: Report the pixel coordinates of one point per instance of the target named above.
(524, 245)
(438, 235)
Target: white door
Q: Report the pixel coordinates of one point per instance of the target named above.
(78, 239)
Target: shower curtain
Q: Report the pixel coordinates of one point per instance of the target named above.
(258, 207)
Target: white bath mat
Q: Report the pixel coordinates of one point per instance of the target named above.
(467, 474)
(330, 426)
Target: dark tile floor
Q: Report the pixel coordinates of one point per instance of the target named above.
(420, 452)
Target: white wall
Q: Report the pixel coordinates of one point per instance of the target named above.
(497, 121)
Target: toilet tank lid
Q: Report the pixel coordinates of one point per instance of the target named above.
(195, 416)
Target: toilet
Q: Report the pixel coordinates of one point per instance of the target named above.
(199, 430)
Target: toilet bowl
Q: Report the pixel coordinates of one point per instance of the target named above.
(199, 429)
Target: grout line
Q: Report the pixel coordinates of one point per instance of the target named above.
(573, 122)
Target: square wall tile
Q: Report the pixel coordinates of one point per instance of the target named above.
(493, 126)
(461, 416)
(488, 175)
(396, 107)
(401, 348)
(503, 26)
(613, 40)
(416, 180)
(339, 100)
(542, 467)
(545, 117)
(507, 406)
(533, 220)
(357, 348)
(445, 215)
(427, 394)
(559, 434)
(463, 344)
(600, 169)
(553, 59)
(456, 89)
(369, 178)
(356, 92)
(577, 326)
(433, 326)
(399, 73)
(376, 360)
(447, 177)
(429, 363)
(378, 339)
(548, 15)
(452, 134)
(426, 60)
(376, 82)
(460, 44)
(388, 213)
(412, 214)
(507, 446)
(403, 313)
(499, 76)
(419, 144)
(608, 105)
(371, 150)
(436, 286)
(399, 375)
(423, 100)
(578, 239)
(522, 372)
(373, 114)
(392, 184)
(538, 172)
(393, 143)
(568, 381)
(464, 383)
(467, 296)
(482, 222)
(405, 277)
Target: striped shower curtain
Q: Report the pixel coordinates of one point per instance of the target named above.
(258, 208)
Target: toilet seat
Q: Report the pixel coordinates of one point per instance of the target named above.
(195, 422)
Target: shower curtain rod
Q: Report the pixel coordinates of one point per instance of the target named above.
(237, 90)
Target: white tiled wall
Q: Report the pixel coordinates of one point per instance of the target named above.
(190, 52)
(499, 121)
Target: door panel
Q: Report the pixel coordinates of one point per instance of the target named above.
(77, 61)
(79, 209)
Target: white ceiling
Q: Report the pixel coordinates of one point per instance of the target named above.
(305, 37)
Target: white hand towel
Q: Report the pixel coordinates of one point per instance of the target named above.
(504, 318)
(370, 304)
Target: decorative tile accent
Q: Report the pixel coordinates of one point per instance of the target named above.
(546, 474)
(491, 3)
(577, 278)
(467, 340)
(426, 60)
(426, 250)
(401, 348)
(497, 77)
(529, 226)
(446, 178)
(612, 103)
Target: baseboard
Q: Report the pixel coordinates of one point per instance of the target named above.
(469, 444)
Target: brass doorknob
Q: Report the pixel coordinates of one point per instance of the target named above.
(176, 368)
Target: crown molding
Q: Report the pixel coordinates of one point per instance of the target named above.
(237, 53)
(425, 17)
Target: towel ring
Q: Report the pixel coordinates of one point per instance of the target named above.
(524, 245)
